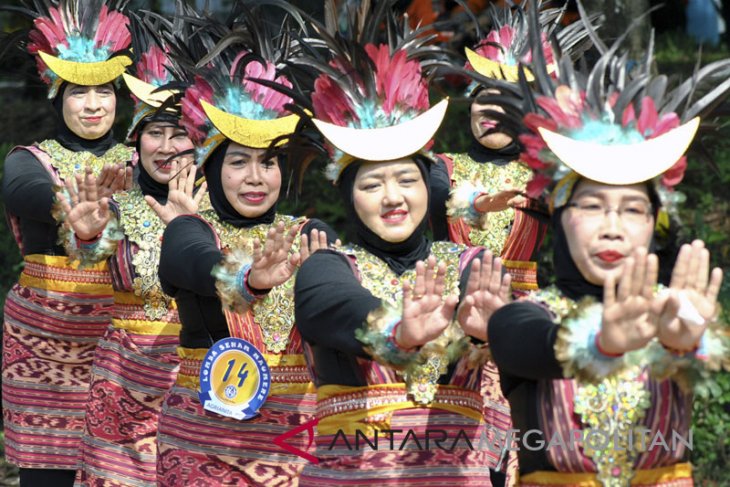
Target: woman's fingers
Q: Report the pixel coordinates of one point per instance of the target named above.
(440, 280)
(713, 288)
(174, 182)
(681, 267)
(472, 285)
(495, 280)
(71, 190)
(505, 288)
(486, 274)
(419, 289)
(651, 276)
(637, 280)
(201, 192)
(703, 271)
(609, 291)
(624, 285)
(694, 264)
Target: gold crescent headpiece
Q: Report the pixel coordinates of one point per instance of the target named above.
(249, 132)
(496, 70)
(145, 92)
(86, 74)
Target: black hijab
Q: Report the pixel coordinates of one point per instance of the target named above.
(500, 157)
(567, 276)
(400, 256)
(146, 182)
(213, 169)
(67, 138)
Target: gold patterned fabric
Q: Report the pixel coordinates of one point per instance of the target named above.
(432, 360)
(69, 163)
(493, 178)
(144, 228)
(275, 312)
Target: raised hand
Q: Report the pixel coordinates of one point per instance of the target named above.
(692, 286)
(180, 198)
(112, 179)
(630, 314)
(86, 213)
(486, 291)
(313, 242)
(488, 203)
(272, 265)
(426, 314)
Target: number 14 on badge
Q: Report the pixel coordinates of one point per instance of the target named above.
(234, 379)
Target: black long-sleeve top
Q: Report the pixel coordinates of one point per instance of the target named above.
(28, 195)
(521, 338)
(330, 304)
(189, 253)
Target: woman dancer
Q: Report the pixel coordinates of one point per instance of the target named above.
(387, 353)
(242, 380)
(136, 362)
(602, 360)
(57, 312)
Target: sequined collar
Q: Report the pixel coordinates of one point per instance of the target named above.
(68, 162)
(274, 313)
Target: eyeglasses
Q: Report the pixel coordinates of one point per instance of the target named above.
(634, 212)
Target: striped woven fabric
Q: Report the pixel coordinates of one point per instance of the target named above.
(375, 435)
(198, 447)
(54, 318)
(132, 372)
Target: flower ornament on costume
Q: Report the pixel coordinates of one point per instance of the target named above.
(614, 125)
(77, 41)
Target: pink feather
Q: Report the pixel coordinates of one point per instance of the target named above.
(112, 30)
(648, 117)
(193, 117)
(674, 175)
(398, 80)
(151, 65)
(330, 103)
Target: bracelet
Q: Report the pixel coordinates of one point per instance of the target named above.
(393, 342)
(87, 244)
(473, 210)
(600, 350)
(244, 289)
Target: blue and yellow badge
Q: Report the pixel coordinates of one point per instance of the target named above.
(234, 379)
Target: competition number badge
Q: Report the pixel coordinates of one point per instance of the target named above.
(234, 379)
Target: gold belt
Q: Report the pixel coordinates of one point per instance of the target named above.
(288, 372)
(57, 273)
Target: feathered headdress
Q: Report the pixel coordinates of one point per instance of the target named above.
(231, 67)
(77, 41)
(152, 69)
(614, 125)
(370, 100)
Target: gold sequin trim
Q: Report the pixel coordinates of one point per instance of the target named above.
(144, 228)
(69, 163)
(494, 179)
